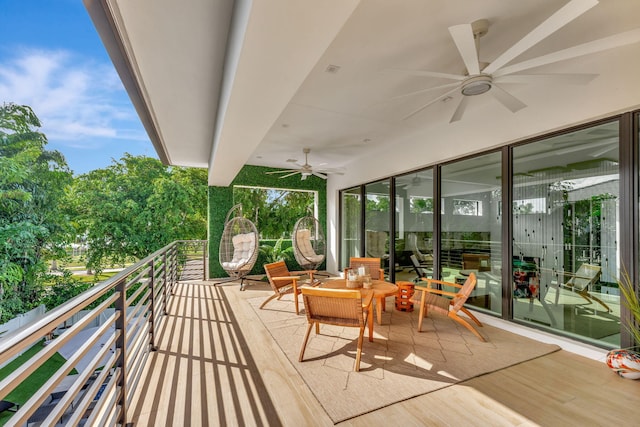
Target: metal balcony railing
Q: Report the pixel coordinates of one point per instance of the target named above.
(107, 345)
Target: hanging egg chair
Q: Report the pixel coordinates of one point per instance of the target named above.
(308, 243)
(238, 246)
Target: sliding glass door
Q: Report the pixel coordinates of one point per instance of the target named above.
(414, 225)
(566, 233)
(377, 222)
(471, 227)
(350, 221)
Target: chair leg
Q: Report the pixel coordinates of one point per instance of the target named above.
(269, 299)
(471, 316)
(422, 311)
(295, 296)
(370, 321)
(304, 343)
(466, 324)
(587, 295)
(359, 351)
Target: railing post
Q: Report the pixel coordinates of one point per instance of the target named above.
(152, 302)
(204, 260)
(121, 327)
(165, 263)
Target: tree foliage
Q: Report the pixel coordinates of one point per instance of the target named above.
(136, 206)
(274, 212)
(33, 226)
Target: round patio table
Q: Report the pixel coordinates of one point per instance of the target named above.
(380, 289)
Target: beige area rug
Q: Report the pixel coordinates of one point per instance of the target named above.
(400, 364)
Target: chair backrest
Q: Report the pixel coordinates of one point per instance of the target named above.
(243, 246)
(304, 247)
(416, 266)
(277, 269)
(586, 275)
(372, 263)
(376, 243)
(342, 307)
(461, 297)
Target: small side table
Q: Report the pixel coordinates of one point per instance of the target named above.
(403, 297)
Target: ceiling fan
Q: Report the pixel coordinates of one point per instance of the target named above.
(305, 170)
(483, 77)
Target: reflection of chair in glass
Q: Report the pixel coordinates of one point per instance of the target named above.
(377, 244)
(425, 259)
(339, 307)
(284, 282)
(420, 271)
(372, 264)
(438, 301)
(308, 243)
(586, 276)
(238, 246)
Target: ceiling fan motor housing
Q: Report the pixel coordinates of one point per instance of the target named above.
(476, 85)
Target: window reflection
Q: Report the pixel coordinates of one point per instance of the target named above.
(350, 232)
(414, 226)
(565, 233)
(377, 222)
(472, 227)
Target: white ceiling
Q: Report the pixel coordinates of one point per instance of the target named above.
(221, 84)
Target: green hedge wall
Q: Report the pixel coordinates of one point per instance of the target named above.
(221, 200)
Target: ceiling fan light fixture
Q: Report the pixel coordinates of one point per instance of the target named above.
(476, 85)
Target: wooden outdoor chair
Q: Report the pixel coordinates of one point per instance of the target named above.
(376, 272)
(339, 307)
(580, 282)
(284, 282)
(446, 303)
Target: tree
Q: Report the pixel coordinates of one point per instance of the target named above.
(33, 226)
(273, 211)
(136, 206)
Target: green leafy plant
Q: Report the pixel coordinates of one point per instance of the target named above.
(632, 302)
(276, 253)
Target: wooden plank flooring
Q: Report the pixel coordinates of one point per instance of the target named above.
(216, 365)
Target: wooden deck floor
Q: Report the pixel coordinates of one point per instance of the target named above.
(216, 365)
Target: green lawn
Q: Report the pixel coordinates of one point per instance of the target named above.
(28, 387)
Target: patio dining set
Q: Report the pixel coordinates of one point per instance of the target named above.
(349, 301)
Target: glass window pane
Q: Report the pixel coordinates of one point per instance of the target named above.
(350, 224)
(565, 233)
(414, 226)
(377, 222)
(472, 227)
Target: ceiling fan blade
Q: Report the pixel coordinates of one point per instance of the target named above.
(429, 103)
(462, 105)
(575, 79)
(290, 174)
(606, 43)
(422, 73)
(506, 99)
(465, 42)
(425, 90)
(320, 175)
(562, 17)
(281, 171)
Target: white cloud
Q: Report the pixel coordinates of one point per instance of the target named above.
(79, 102)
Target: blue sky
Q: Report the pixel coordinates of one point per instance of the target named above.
(51, 59)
